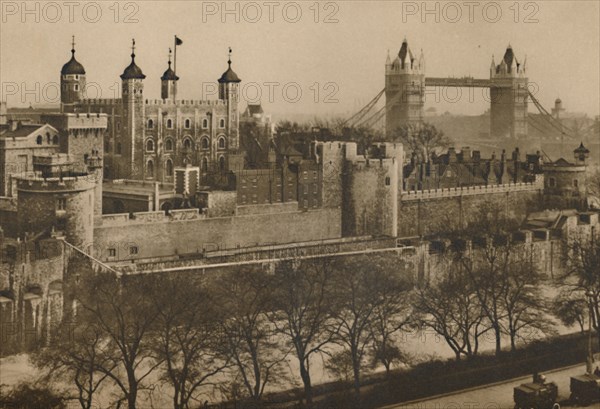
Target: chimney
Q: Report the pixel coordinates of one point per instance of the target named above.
(476, 156)
(451, 155)
(466, 154)
(3, 112)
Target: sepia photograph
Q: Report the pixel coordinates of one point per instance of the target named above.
(311, 204)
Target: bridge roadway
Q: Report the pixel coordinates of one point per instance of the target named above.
(457, 82)
(497, 395)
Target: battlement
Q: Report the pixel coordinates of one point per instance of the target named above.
(360, 163)
(538, 184)
(101, 101)
(121, 219)
(36, 183)
(186, 102)
(77, 120)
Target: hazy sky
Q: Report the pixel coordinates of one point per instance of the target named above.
(337, 53)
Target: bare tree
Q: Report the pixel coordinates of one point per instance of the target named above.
(452, 309)
(570, 309)
(189, 339)
(422, 140)
(303, 309)
(523, 300)
(391, 315)
(369, 294)
(356, 295)
(124, 316)
(250, 338)
(581, 276)
(74, 354)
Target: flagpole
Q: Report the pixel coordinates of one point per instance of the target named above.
(175, 69)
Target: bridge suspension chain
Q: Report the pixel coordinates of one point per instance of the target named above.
(564, 130)
(364, 110)
(381, 112)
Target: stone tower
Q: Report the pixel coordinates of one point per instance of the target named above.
(508, 94)
(404, 89)
(59, 203)
(229, 84)
(168, 82)
(72, 81)
(82, 139)
(132, 86)
(565, 184)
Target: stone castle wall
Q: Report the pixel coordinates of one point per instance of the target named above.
(428, 212)
(166, 237)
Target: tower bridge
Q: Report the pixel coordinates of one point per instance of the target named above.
(405, 83)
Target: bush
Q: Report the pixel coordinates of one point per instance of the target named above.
(26, 396)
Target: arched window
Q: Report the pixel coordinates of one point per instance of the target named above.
(205, 123)
(150, 145)
(38, 140)
(221, 123)
(150, 124)
(222, 162)
(169, 124)
(150, 169)
(204, 164)
(106, 146)
(55, 139)
(187, 143)
(221, 143)
(118, 148)
(48, 137)
(188, 124)
(204, 142)
(169, 167)
(169, 145)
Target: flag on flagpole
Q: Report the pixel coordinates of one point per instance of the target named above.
(178, 41)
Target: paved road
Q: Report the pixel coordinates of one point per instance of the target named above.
(496, 396)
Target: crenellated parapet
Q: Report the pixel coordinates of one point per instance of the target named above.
(65, 184)
(537, 185)
(186, 102)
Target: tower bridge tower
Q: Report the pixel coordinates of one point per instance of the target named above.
(508, 97)
(404, 89)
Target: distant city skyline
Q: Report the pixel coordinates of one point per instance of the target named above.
(331, 61)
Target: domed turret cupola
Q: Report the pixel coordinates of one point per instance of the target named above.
(229, 92)
(132, 79)
(72, 79)
(168, 82)
(581, 154)
(229, 76)
(132, 72)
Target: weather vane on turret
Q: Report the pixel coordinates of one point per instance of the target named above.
(229, 60)
(133, 48)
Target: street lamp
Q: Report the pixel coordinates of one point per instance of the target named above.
(590, 359)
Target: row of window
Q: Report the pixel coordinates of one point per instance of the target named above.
(187, 144)
(552, 182)
(65, 87)
(187, 123)
(49, 139)
(133, 250)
